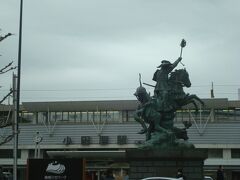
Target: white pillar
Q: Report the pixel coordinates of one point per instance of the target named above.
(226, 153)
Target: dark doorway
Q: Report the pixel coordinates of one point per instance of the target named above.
(235, 175)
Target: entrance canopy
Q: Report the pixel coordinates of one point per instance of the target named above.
(87, 154)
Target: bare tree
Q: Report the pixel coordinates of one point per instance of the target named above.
(5, 120)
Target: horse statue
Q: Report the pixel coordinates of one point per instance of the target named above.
(161, 129)
(177, 80)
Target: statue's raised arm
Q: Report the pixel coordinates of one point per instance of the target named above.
(161, 76)
(176, 63)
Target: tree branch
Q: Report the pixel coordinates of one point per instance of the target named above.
(4, 37)
(7, 139)
(7, 68)
(5, 97)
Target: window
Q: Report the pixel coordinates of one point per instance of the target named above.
(65, 116)
(52, 117)
(84, 117)
(97, 116)
(72, 116)
(85, 140)
(108, 116)
(28, 117)
(103, 116)
(90, 116)
(103, 140)
(215, 153)
(235, 153)
(121, 139)
(42, 117)
(78, 116)
(114, 116)
(124, 116)
(58, 116)
(131, 116)
(6, 115)
(8, 153)
(221, 114)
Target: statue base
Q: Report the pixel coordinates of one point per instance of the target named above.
(165, 163)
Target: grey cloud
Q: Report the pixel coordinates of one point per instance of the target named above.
(97, 44)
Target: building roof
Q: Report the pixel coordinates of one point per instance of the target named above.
(114, 105)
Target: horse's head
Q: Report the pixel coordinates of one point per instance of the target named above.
(180, 76)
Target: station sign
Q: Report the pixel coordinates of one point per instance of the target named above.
(55, 169)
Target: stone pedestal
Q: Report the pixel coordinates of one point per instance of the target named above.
(151, 163)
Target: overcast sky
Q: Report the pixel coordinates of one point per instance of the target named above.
(94, 49)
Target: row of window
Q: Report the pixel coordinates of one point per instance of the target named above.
(112, 116)
(100, 116)
(218, 153)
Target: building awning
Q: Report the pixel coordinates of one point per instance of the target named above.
(87, 154)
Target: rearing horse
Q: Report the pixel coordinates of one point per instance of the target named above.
(177, 80)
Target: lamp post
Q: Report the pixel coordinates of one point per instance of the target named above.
(18, 94)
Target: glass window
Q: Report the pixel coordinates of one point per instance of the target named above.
(104, 116)
(124, 116)
(231, 114)
(84, 117)
(8, 153)
(215, 153)
(65, 116)
(235, 153)
(6, 115)
(72, 116)
(42, 117)
(131, 116)
(28, 117)
(108, 116)
(58, 116)
(118, 116)
(52, 117)
(221, 114)
(115, 116)
(97, 116)
(237, 112)
(78, 116)
(90, 116)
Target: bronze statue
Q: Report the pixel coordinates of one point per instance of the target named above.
(159, 110)
(147, 112)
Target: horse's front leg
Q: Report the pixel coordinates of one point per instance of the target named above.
(189, 100)
(194, 96)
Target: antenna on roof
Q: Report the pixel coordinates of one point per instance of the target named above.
(238, 93)
(212, 91)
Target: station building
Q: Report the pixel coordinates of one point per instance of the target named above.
(101, 131)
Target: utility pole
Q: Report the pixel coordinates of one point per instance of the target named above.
(17, 93)
(15, 128)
